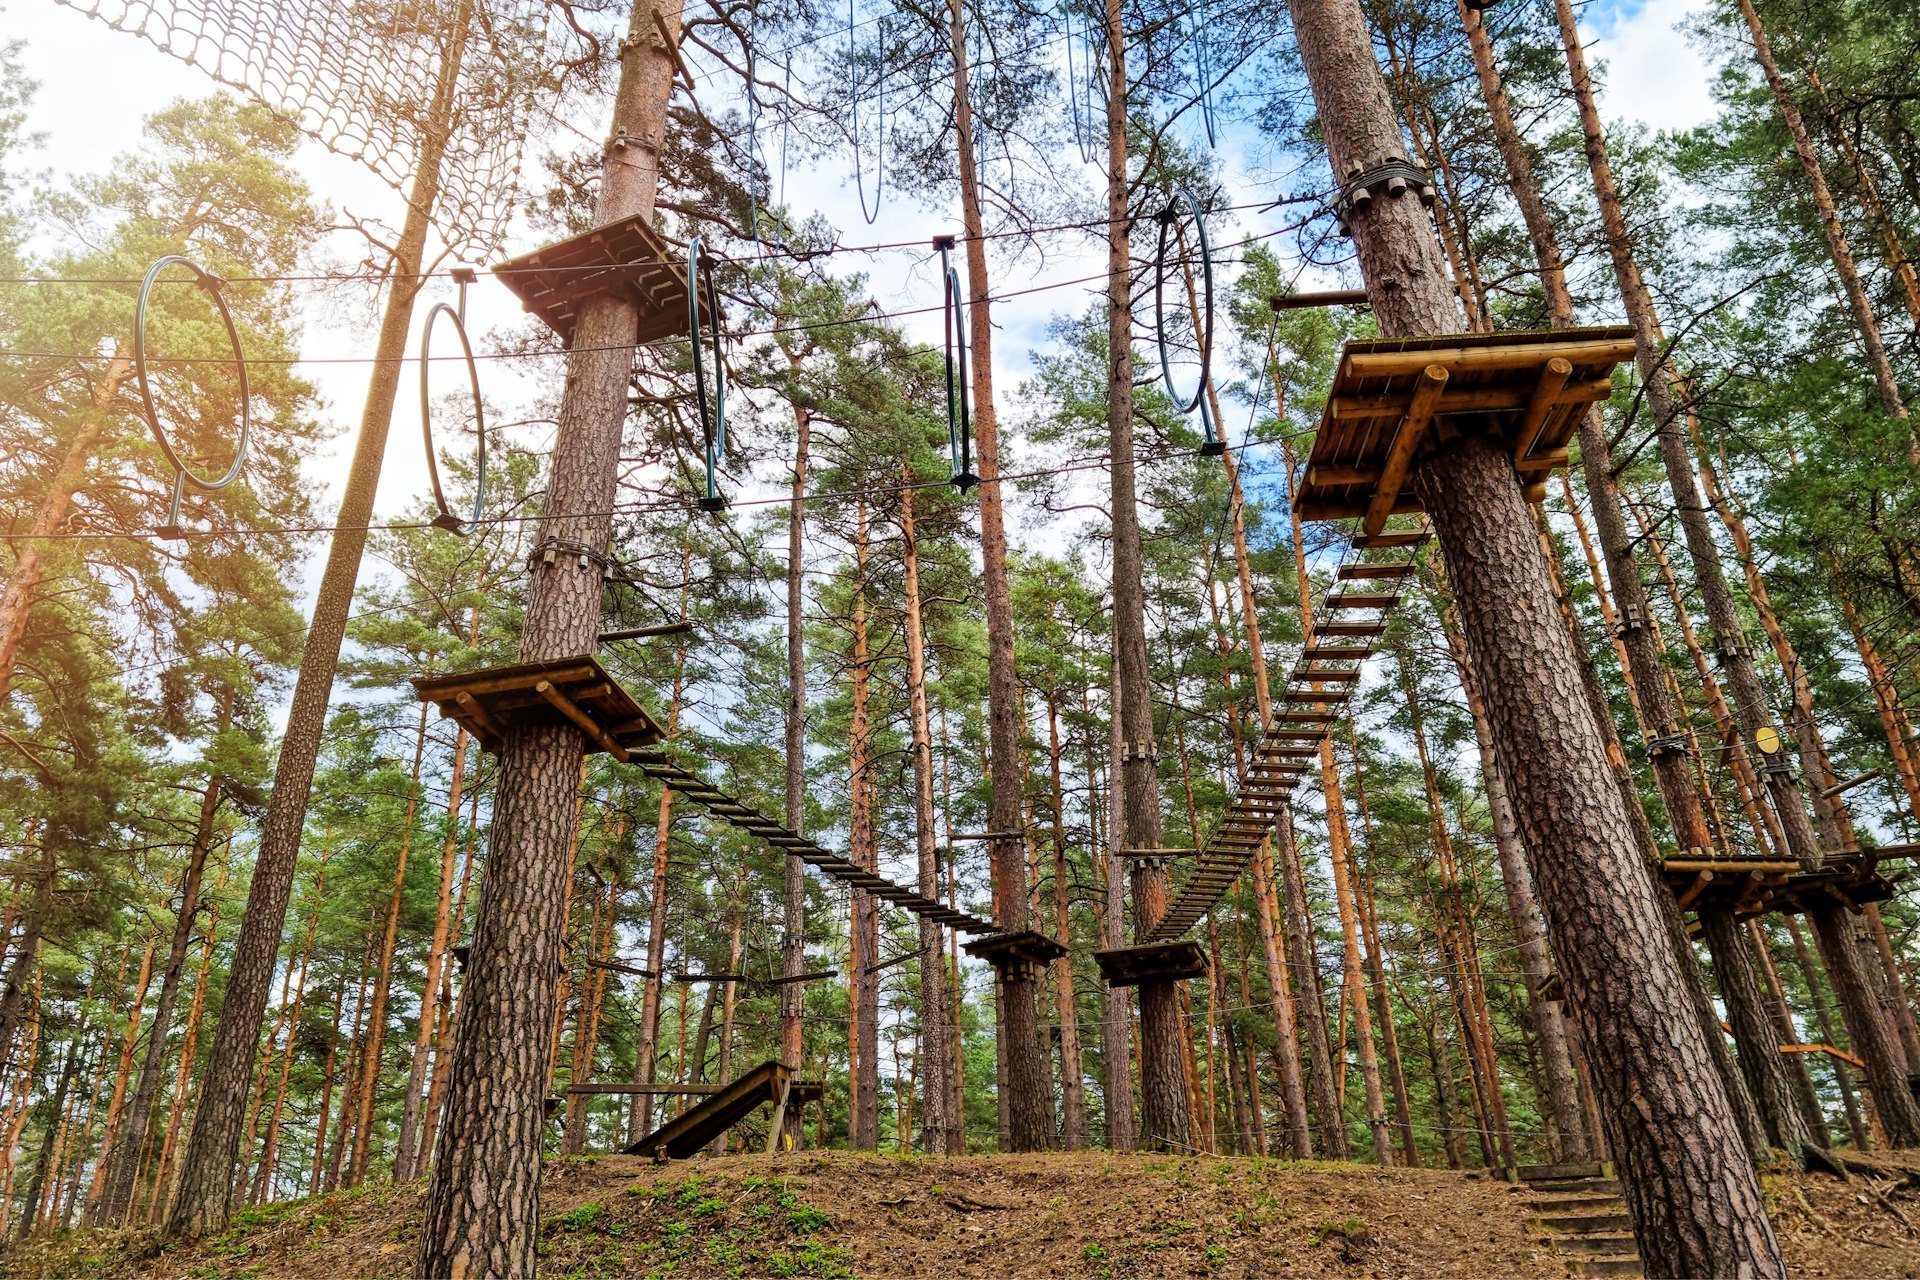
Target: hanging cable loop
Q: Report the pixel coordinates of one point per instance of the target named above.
(446, 519)
(712, 407)
(853, 115)
(184, 475)
(1169, 220)
(959, 371)
(753, 157)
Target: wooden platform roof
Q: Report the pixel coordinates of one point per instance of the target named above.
(625, 258)
(578, 691)
(1393, 398)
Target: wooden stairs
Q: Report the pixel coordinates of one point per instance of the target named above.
(1579, 1209)
(690, 1131)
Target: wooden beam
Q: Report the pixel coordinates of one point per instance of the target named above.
(1433, 380)
(1334, 473)
(1701, 879)
(1497, 399)
(488, 726)
(1546, 394)
(564, 705)
(1386, 364)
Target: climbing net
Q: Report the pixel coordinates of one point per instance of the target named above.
(360, 77)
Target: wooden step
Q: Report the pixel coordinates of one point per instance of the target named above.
(1576, 1203)
(1570, 1169)
(1626, 1264)
(1351, 628)
(1363, 600)
(1612, 1244)
(1586, 1224)
(1396, 538)
(1374, 572)
(1580, 1186)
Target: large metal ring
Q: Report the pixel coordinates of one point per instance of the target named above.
(959, 373)
(446, 519)
(210, 283)
(713, 410)
(1168, 219)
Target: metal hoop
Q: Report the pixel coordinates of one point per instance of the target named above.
(1187, 404)
(853, 93)
(446, 519)
(713, 413)
(959, 405)
(182, 474)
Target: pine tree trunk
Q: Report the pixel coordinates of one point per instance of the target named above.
(647, 1055)
(1754, 1033)
(864, 1114)
(1695, 1204)
(205, 1196)
(1868, 1029)
(1536, 967)
(1073, 1110)
(264, 1179)
(1802, 1084)
(1809, 972)
(383, 970)
(189, 1068)
(940, 1127)
(109, 1133)
(1293, 1096)
(1116, 1005)
(793, 942)
(123, 1161)
(1030, 1096)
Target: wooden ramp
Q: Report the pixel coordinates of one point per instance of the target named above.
(690, 1131)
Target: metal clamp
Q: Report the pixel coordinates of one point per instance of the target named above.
(1392, 177)
(549, 550)
(1668, 744)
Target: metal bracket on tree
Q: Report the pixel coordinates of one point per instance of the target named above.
(1392, 177)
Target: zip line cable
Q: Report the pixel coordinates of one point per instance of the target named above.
(868, 317)
(453, 273)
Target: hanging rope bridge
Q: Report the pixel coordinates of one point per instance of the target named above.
(685, 782)
(1313, 702)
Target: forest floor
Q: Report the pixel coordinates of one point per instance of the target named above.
(1091, 1214)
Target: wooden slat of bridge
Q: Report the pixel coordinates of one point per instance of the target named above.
(1286, 752)
(685, 782)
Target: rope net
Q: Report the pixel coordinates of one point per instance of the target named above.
(360, 77)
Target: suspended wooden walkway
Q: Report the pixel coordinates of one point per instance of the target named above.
(1313, 701)
(685, 782)
(689, 1132)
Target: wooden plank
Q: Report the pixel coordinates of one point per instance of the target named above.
(1314, 675)
(1398, 538)
(1413, 427)
(1323, 507)
(1334, 473)
(488, 727)
(1373, 572)
(1485, 399)
(1363, 600)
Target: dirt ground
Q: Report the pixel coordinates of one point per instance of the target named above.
(1091, 1214)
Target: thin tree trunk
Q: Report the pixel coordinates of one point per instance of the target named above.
(939, 1124)
(264, 1179)
(1116, 1006)
(863, 1120)
(206, 1182)
(110, 1130)
(793, 942)
(1072, 1088)
(1809, 972)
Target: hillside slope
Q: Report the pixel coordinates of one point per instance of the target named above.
(1091, 1214)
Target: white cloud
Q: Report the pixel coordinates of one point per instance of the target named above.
(1655, 74)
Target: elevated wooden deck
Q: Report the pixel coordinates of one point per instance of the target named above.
(625, 258)
(1393, 398)
(1756, 886)
(578, 691)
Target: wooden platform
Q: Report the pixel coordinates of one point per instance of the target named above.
(1394, 398)
(1024, 955)
(1152, 962)
(624, 259)
(689, 1132)
(1756, 886)
(577, 691)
